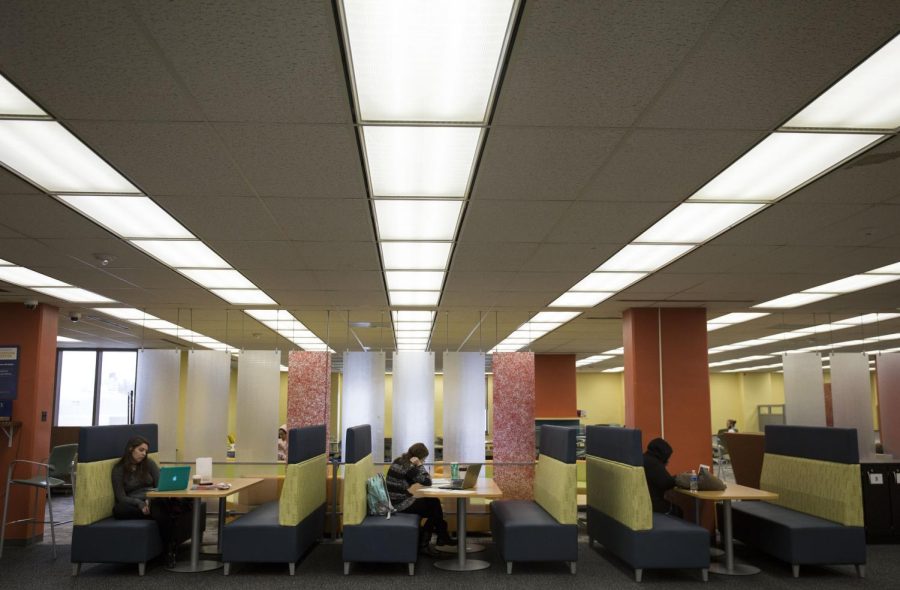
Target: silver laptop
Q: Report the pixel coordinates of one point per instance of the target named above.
(468, 482)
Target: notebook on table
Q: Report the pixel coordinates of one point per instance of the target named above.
(468, 482)
(174, 478)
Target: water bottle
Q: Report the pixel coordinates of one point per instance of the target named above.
(694, 480)
(454, 470)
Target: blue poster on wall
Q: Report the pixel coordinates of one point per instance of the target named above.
(9, 372)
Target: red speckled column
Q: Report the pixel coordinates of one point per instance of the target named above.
(309, 390)
(514, 423)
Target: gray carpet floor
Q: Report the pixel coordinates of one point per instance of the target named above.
(34, 567)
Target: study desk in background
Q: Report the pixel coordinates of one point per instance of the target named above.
(485, 488)
(726, 496)
(198, 495)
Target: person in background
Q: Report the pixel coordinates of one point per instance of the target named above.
(731, 425)
(659, 480)
(282, 443)
(409, 469)
(132, 477)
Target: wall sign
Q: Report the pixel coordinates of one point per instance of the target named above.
(9, 372)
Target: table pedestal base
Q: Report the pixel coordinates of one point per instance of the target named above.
(203, 565)
(737, 569)
(470, 548)
(469, 565)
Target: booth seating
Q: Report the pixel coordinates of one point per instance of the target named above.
(818, 517)
(97, 537)
(283, 530)
(619, 513)
(372, 538)
(546, 528)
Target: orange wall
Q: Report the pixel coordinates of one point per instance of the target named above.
(34, 331)
(554, 386)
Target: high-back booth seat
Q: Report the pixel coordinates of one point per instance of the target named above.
(619, 513)
(543, 529)
(97, 537)
(372, 538)
(818, 517)
(283, 530)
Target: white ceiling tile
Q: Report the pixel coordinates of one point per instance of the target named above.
(323, 220)
(224, 218)
(496, 221)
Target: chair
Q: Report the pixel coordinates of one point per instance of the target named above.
(58, 465)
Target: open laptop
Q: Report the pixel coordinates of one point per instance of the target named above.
(467, 482)
(174, 478)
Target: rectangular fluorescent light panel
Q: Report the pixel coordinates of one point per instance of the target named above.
(45, 153)
(182, 253)
(19, 275)
(426, 61)
(14, 103)
(854, 283)
(694, 223)
(866, 98)
(781, 163)
(217, 278)
(421, 280)
(889, 269)
(417, 219)
(796, 300)
(412, 316)
(399, 326)
(244, 296)
(554, 316)
(66, 339)
(732, 318)
(608, 281)
(415, 255)
(420, 161)
(125, 313)
(580, 299)
(128, 217)
(73, 294)
(416, 298)
(644, 257)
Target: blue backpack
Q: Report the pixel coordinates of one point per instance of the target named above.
(377, 498)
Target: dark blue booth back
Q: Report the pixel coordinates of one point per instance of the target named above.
(558, 442)
(306, 443)
(359, 443)
(96, 443)
(813, 442)
(616, 444)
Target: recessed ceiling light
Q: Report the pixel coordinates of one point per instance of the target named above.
(694, 223)
(415, 298)
(244, 296)
(889, 269)
(644, 257)
(73, 294)
(580, 299)
(415, 280)
(415, 255)
(124, 313)
(217, 278)
(128, 217)
(554, 316)
(854, 283)
(19, 275)
(796, 300)
(407, 219)
(182, 253)
(14, 103)
(412, 316)
(608, 281)
(62, 338)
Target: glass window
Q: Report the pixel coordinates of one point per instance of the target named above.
(77, 372)
(117, 371)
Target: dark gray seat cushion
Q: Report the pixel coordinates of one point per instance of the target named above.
(796, 537)
(523, 531)
(257, 536)
(671, 543)
(380, 539)
(116, 541)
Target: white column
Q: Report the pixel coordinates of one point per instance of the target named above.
(804, 389)
(851, 398)
(362, 397)
(156, 396)
(413, 401)
(465, 395)
(206, 405)
(258, 388)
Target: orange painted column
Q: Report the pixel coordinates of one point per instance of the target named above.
(667, 381)
(34, 332)
(554, 386)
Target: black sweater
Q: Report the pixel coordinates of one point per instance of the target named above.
(132, 489)
(659, 480)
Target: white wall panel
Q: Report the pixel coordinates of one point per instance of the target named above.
(851, 398)
(258, 389)
(465, 395)
(888, 374)
(804, 389)
(362, 396)
(206, 405)
(156, 396)
(413, 401)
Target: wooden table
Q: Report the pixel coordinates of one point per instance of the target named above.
(485, 488)
(198, 495)
(726, 496)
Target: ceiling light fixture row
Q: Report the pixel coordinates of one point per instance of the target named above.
(423, 78)
(286, 325)
(849, 118)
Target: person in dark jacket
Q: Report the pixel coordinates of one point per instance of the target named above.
(409, 469)
(659, 480)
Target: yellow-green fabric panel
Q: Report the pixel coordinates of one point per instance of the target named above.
(355, 476)
(554, 489)
(94, 497)
(303, 491)
(619, 491)
(822, 488)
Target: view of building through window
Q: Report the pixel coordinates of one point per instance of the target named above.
(80, 397)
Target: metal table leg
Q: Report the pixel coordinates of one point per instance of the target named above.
(461, 564)
(731, 568)
(196, 564)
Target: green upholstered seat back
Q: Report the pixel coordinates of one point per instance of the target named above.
(619, 491)
(303, 491)
(94, 497)
(554, 489)
(355, 476)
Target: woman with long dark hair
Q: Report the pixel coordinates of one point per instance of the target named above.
(133, 476)
(406, 470)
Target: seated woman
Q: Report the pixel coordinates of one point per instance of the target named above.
(409, 469)
(659, 480)
(132, 477)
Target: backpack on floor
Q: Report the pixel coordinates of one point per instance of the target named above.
(377, 498)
